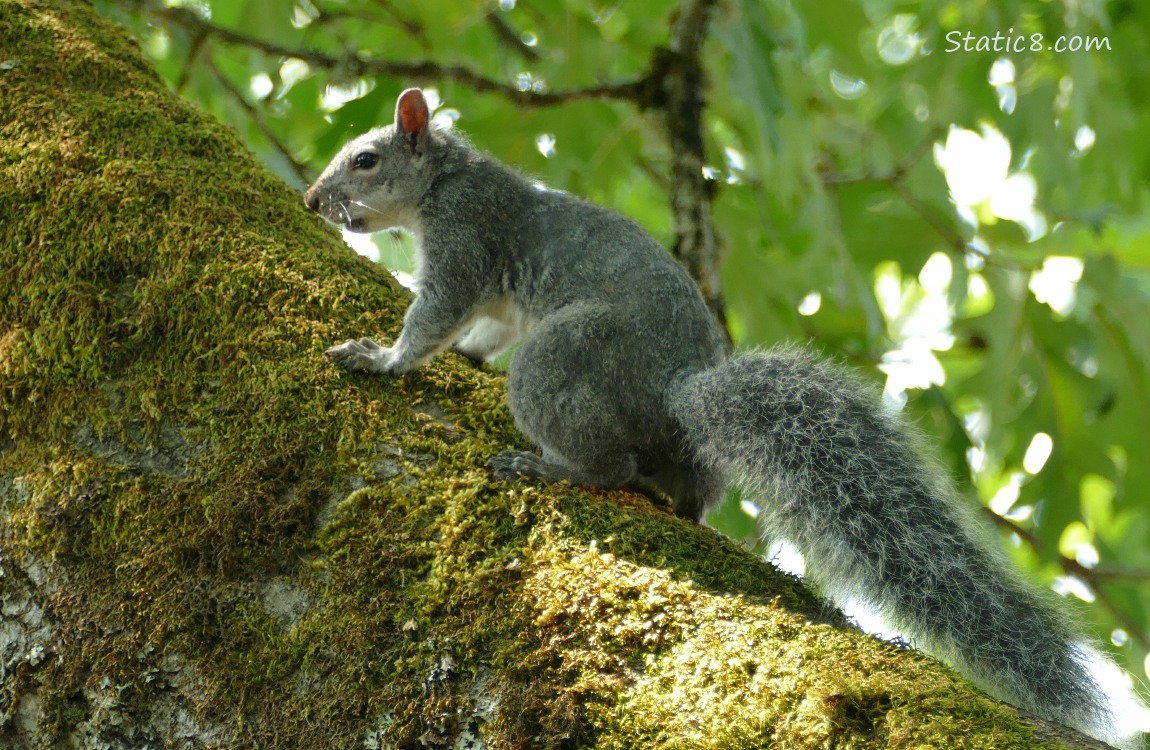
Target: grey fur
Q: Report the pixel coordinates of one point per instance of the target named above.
(844, 481)
(624, 379)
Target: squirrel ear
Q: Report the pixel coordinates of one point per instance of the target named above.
(411, 113)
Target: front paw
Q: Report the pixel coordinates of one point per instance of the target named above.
(362, 355)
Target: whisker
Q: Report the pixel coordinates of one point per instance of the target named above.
(361, 204)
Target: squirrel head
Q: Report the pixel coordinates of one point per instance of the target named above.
(378, 180)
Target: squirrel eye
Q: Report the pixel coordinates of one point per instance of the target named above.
(364, 160)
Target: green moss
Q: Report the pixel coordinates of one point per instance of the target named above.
(180, 457)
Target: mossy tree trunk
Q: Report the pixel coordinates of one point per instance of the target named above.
(213, 538)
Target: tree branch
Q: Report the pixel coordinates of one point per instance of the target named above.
(421, 71)
(678, 73)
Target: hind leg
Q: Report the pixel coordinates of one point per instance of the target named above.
(609, 472)
(575, 394)
(692, 491)
(513, 465)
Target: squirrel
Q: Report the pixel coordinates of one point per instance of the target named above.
(623, 378)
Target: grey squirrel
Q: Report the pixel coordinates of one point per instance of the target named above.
(624, 379)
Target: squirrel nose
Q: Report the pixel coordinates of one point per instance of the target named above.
(311, 200)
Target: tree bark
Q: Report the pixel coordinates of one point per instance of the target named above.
(211, 538)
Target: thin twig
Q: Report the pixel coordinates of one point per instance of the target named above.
(895, 180)
(424, 71)
(937, 222)
(908, 162)
(195, 44)
(508, 36)
(301, 171)
(389, 16)
(400, 21)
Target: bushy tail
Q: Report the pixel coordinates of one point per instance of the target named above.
(838, 476)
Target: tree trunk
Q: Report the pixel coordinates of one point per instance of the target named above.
(212, 538)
